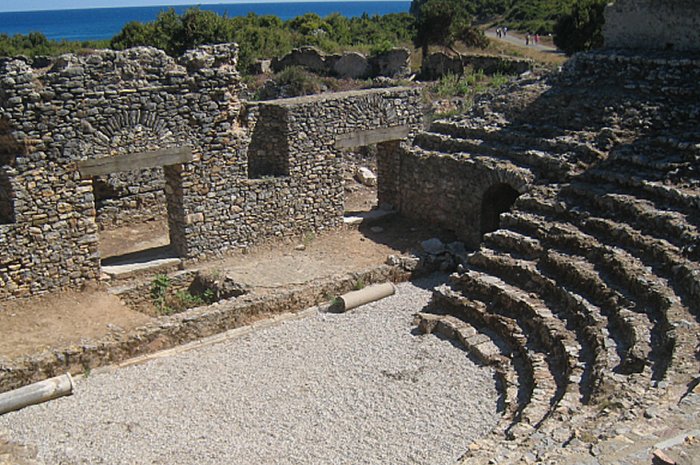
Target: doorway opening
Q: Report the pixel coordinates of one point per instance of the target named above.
(138, 205)
(497, 199)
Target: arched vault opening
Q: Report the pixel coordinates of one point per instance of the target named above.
(497, 199)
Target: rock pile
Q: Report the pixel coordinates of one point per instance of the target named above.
(395, 63)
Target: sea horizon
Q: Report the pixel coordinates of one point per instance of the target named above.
(179, 5)
(101, 23)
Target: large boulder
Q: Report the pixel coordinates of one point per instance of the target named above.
(307, 57)
(395, 63)
(351, 65)
(439, 64)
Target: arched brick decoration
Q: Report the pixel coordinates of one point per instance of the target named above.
(137, 195)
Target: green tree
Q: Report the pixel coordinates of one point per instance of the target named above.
(440, 22)
(582, 28)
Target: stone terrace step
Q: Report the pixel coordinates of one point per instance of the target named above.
(665, 259)
(648, 290)
(550, 139)
(631, 327)
(485, 162)
(572, 316)
(548, 165)
(685, 197)
(481, 342)
(505, 334)
(560, 351)
(668, 74)
(536, 402)
(642, 214)
(514, 243)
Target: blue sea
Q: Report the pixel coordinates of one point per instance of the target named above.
(104, 23)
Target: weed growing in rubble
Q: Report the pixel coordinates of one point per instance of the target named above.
(308, 238)
(159, 291)
(360, 284)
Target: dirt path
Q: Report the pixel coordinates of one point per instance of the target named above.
(62, 319)
(515, 39)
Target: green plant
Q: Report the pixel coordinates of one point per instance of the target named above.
(360, 284)
(187, 300)
(159, 291)
(582, 28)
(208, 296)
(308, 238)
(296, 81)
(451, 85)
(383, 46)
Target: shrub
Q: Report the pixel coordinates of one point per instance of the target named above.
(582, 28)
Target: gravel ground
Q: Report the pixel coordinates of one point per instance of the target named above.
(329, 389)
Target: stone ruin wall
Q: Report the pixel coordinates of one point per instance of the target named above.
(118, 103)
(653, 25)
(443, 190)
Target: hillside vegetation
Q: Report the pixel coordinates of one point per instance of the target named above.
(431, 22)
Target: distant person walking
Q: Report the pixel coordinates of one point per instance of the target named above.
(527, 39)
(505, 31)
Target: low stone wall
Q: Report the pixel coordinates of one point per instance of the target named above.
(194, 324)
(395, 63)
(440, 64)
(653, 25)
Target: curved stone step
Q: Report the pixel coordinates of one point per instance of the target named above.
(519, 376)
(597, 348)
(633, 327)
(507, 240)
(542, 137)
(685, 197)
(648, 290)
(481, 342)
(642, 214)
(547, 165)
(655, 166)
(537, 402)
(665, 259)
(561, 351)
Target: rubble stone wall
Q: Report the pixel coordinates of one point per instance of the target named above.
(653, 25)
(395, 63)
(109, 103)
(306, 192)
(445, 190)
(439, 64)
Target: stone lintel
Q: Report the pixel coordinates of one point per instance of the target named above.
(371, 136)
(134, 161)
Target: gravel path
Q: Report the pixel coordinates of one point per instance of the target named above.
(329, 389)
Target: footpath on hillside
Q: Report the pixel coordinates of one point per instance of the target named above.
(515, 39)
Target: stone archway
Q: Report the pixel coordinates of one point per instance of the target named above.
(497, 199)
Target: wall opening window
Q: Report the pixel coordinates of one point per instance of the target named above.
(268, 152)
(7, 203)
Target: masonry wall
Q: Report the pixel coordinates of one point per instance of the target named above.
(109, 103)
(307, 195)
(653, 25)
(444, 190)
